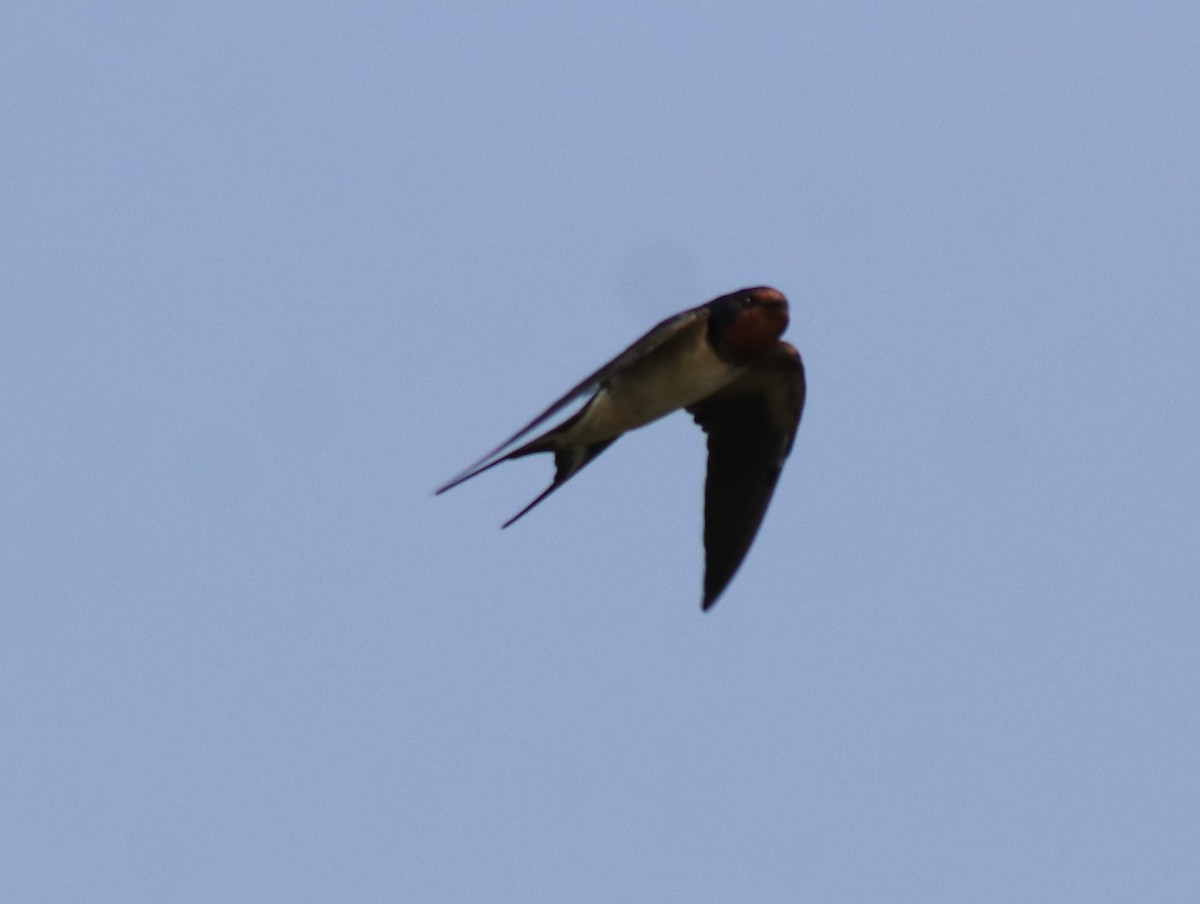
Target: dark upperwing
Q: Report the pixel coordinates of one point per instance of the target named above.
(751, 425)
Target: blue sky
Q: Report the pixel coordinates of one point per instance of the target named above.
(273, 272)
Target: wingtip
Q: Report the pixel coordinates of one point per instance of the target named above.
(452, 484)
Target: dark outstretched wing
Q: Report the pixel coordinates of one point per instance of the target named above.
(658, 336)
(751, 425)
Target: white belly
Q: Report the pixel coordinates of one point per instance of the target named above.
(652, 388)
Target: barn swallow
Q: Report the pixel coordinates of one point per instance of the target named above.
(725, 364)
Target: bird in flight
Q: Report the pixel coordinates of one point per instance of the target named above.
(725, 364)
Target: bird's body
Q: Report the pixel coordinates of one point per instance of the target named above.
(724, 363)
(650, 387)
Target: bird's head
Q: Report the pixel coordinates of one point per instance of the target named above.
(747, 323)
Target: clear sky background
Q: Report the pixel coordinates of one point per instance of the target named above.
(271, 272)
